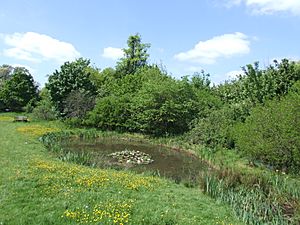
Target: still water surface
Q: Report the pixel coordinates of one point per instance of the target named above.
(176, 164)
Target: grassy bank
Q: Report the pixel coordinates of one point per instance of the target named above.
(36, 188)
(258, 195)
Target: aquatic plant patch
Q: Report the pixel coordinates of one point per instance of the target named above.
(132, 157)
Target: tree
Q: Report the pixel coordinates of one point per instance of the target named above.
(257, 85)
(19, 90)
(254, 85)
(72, 76)
(136, 56)
(5, 73)
(283, 75)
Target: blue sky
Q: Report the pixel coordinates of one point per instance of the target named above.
(186, 36)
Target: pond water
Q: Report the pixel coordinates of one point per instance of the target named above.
(176, 164)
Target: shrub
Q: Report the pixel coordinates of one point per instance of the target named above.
(78, 103)
(45, 109)
(214, 129)
(110, 113)
(164, 106)
(149, 102)
(271, 133)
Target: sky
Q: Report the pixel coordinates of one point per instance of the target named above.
(186, 36)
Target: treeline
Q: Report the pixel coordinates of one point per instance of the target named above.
(257, 113)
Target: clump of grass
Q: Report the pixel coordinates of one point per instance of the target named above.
(53, 143)
(256, 200)
(81, 158)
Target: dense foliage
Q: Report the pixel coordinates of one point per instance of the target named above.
(163, 106)
(72, 76)
(18, 89)
(259, 85)
(151, 102)
(136, 56)
(271, 133)
(45, 109)
(239, 97)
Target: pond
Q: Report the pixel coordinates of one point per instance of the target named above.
(175, 164)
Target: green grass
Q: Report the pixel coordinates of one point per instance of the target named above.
(36, 188)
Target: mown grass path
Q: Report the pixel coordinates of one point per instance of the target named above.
(36, 188)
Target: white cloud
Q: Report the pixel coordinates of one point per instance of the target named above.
(269, 6)
(20, 54)
(207, 52)
(112, 53)
(37, 47)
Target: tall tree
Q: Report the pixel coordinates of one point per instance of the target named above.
(19, 90)
(72, 76)
(136, 56)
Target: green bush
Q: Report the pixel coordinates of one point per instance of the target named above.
(150, 102)
(164, 106)
(271, 133)
(45, 109)
(110, 113)
(256, 86)
(214, 129)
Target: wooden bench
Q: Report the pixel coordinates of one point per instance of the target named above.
(21, 119)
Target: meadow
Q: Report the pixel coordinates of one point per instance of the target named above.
(37, 188)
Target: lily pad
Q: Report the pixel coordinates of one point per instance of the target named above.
(132, 157)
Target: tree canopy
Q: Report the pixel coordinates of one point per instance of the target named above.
(17, 91)
(136, 56)
(72, 76)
